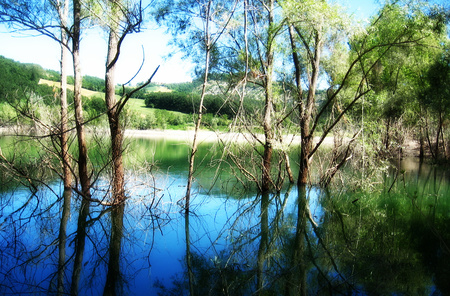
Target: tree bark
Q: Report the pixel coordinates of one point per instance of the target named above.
(83, 172)
(118, 171)
(63, 11)
(306, 113)
(267, 183)
(190, 180)
(438, 133)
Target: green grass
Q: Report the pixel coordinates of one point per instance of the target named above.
(138, 106)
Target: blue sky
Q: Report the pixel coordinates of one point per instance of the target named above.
(32, 48)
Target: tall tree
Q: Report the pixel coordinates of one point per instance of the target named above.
(63, 12)
(204, 22)
(267, 66)
(315, 25)
(434, 96)
(312, 25)
(122, 18)
(83, 171)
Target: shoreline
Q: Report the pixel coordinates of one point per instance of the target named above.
(210, 136)
(207, 136)
(185, 135)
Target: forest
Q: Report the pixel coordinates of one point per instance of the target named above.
(318, 101)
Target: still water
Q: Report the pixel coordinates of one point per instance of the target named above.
(391, 237)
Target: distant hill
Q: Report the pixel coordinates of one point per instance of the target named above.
(56, 84)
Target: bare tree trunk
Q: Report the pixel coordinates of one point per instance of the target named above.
(305, 150)
(118, 171)
(444, 143)
(306, 143)
(63, 11)
(268, 106)
(306, 114)
(438, 133)
(386, 138)
(197, 128)
(190, 271)
(266, 182)
(427, 134)
(195, 147)
(288, 167)
(421, 144)
(83, 172)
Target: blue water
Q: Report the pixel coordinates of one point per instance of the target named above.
(153, 243)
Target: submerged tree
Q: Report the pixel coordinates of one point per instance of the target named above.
(122, 18)
(213, 18)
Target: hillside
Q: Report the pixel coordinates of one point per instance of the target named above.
(84, 92)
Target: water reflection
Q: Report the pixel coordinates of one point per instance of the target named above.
(393, 239)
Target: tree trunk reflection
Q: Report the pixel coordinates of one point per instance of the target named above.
(62, 240)
(188, 251)
(113, 276)
(80, 242)
(296, 284)
(263, 243)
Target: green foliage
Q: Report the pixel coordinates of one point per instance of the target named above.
(48, 94)
(15, 76)
(94, 106)
(93, 83)
(156, 118)
(187, 103)
(395, 51)
(7, 115)
(435, 95)
(184, 87)
(52, 75)
(143, 122)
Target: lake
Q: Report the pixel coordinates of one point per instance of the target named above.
(390, 236)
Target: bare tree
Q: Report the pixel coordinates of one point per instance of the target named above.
(29, 15)
(122, 19)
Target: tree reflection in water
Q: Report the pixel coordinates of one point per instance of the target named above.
(357, 243)
(390, 239)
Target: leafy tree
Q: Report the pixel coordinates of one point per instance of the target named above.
(93, 83)
(435, 97)
(394, 27)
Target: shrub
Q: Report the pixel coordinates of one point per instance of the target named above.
(143, 122)
(7, 114)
